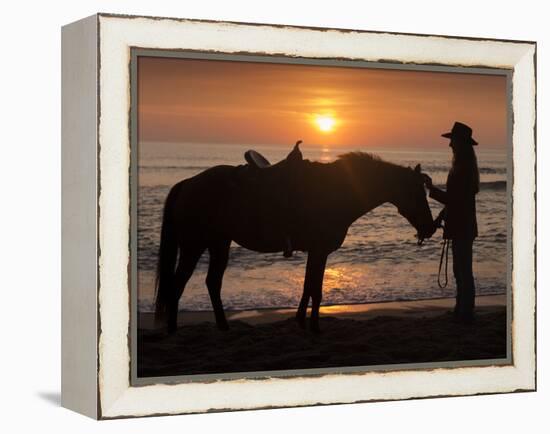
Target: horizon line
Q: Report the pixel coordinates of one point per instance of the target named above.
(401, 147)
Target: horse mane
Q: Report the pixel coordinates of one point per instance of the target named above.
(368, 161)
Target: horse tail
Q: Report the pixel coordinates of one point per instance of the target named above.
(166, 264)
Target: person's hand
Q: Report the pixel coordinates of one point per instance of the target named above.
(427, 181)
(439, 220)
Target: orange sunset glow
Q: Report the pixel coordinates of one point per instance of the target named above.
(206, 101)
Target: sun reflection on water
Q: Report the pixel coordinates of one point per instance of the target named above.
(337, 277)
(325, 155)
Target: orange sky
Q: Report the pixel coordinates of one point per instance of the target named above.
(183, 100)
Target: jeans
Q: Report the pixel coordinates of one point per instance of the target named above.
(462, 269)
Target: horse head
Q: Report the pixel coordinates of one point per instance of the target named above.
(412, 203)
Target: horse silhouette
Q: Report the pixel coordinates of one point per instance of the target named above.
(258, 205)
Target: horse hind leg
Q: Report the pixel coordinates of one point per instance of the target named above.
(186, 265)
(219, 255)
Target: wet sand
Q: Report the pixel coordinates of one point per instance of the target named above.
(352, 335)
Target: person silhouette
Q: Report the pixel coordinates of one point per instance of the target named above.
(459, 215)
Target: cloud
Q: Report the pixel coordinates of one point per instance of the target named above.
(243, 102)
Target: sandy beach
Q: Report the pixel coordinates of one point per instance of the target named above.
(352, 335)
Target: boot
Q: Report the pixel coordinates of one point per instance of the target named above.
(287, 253)
(466, 313)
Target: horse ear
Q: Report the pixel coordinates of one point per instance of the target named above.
(417, 168)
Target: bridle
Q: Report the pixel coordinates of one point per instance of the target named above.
(444, 252)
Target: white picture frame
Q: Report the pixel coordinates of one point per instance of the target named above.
(96, 305)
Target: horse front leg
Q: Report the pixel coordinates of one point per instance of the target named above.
(302, 308)
(313, 286)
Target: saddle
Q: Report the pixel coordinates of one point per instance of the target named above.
(253, 175)
(256, 160)
(269, 189)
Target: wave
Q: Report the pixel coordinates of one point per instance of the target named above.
(427, 167)
(492, 170)
(173, 167)
(431, 168)
(493, 185)
(488, 185)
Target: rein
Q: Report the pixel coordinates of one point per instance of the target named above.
(444, 252)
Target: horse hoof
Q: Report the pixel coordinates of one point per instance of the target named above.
(301, 322)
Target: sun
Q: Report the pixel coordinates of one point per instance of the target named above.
(325, 123)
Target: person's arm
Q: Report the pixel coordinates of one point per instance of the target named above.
(435, 193)
(438, 194)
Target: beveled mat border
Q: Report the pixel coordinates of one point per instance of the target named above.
(116, 36)
(137, 52)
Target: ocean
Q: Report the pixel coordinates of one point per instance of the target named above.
(379, 260)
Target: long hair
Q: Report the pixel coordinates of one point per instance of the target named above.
(465, 164)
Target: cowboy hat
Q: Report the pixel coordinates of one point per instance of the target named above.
(461, 131)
